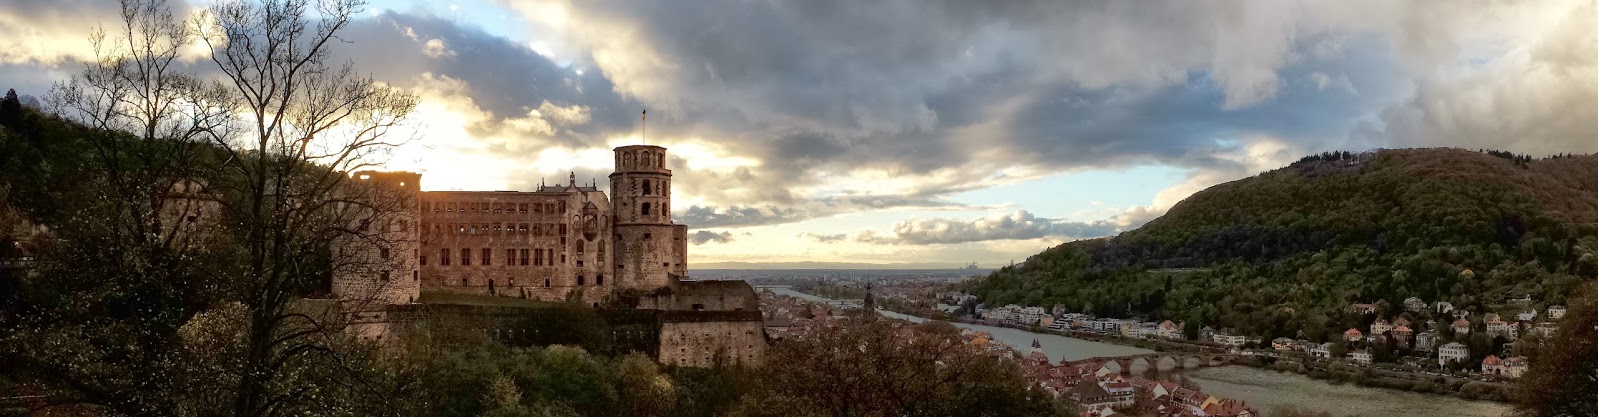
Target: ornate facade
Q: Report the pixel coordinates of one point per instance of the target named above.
(567, 242)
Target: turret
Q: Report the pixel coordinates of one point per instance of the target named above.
(649, 248)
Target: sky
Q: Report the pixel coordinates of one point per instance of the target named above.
(947, 131)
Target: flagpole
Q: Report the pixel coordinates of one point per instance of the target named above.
(643, 134)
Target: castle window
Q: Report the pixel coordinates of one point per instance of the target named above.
(497, 228)
(405, 225)
(538, 257)
(538, 208)
(551, 253)
(562, 258)
(443, 257)
(601, 252)
(546, 282)
(646, 187)
(510, 257)
(449, 207)
(524, 228)
(644, 209)
(484, 206)
(580, 280)
(382, 253)
(416, 275)
(522, 207)
(487, 256)
(463, 281)
(698, 307)
(466, 256)
(497, 208)
(662, 157)
(385, 275)
(524, 257)
(473, 229)
(648, 235)
(599, 280)
(424, 261)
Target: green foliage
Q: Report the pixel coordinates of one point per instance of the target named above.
(1564, 373)
(1288, 250)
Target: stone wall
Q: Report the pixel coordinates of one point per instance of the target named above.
(545, 245)
(705, 338)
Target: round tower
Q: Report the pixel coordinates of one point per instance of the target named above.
(645, 242)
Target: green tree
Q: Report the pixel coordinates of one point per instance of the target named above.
(1564, 372)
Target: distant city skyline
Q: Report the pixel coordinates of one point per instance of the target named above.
(929, 132)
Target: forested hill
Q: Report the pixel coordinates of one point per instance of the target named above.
(1333, 229)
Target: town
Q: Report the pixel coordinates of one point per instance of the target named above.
(1098, 387)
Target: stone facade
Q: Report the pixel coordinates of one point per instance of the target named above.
(557, 243)
(703, 339)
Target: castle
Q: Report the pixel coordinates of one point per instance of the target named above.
(565, 243)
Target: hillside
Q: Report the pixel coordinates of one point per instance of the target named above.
(1270, 253)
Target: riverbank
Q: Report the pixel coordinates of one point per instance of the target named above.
(1335, 373)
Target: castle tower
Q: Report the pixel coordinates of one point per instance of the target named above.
(649, 248)
(379, 263)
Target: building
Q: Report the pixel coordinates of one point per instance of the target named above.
(1414, 304)
(1323, 351)
(1491, 365)
(1453, 351)
(1556, 312)
(1502, 328)
(1282, 344)
(1461, 326)
(1515, 367)
(1380, 327)
(1527, 315)
(1443, 307)
(1353, 335)
(1169, 330)
(567, 242)
(1363, 308)
(1425, 341)
(1403, 335)
(1230, 339)
(1362, 357)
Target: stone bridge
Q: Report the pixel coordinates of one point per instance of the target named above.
(1178, 360)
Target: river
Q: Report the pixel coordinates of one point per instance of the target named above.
(1260, 388)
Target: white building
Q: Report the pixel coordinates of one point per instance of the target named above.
(1030, 315)
(1360, 357)
(1323, 351)
(1425, 341)
(1230, 340)
(1414, 304)
(1555, 312)
(1454, 351)
(1527, 315)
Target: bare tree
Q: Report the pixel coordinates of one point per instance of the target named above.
(300, 126)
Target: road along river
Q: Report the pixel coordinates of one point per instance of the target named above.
(1263, 389)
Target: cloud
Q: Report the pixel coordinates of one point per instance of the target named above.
(1019, 225)
(435, 48)
(704, 236)
(840, 237)
(736, 216)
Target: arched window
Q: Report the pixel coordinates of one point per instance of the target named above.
(644, 208)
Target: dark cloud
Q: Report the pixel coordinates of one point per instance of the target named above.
(1019, 225)
(737, 216)
(704, 236)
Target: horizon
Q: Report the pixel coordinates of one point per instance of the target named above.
(810, 132)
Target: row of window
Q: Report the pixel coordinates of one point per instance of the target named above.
(513, 257)
(494, 208)
(581, 280)
(496, 229)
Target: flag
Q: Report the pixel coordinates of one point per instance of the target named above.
(644, 115)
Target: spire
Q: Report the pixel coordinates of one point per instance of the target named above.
(870, 303)
(574, 178)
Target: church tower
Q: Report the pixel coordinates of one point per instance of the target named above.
(649, 248)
